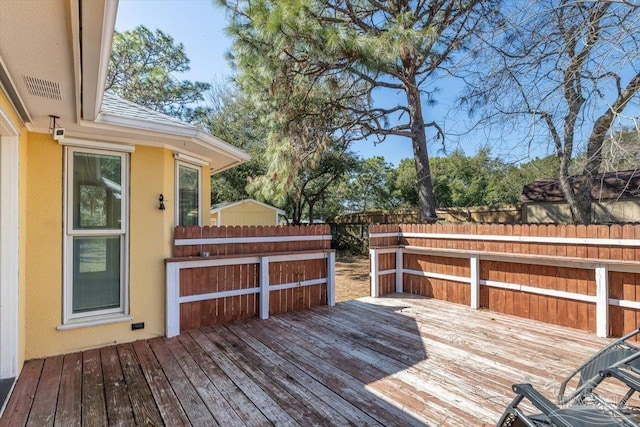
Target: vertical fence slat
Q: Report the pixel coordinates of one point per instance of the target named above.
(264, 287)
(373, 257)
(474, 261)
(173, 306)
(602, 301)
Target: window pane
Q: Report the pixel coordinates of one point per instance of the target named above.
(189, 196)
(97, 191)
(96, 273)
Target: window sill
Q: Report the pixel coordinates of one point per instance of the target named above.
(94, 321)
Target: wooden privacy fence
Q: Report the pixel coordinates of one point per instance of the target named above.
(585, 277)
(222, 274)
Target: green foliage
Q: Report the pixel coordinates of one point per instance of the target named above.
(370, 185)
(143, 68)
(231, 117)
(479, 180)
(407, 184)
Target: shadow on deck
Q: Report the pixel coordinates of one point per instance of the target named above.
(398, 360)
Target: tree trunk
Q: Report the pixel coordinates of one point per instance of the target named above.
(426, 199)
(311, 204)
(297, 212)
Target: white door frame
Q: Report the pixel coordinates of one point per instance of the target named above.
(9, 249)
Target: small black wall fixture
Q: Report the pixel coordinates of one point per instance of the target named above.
(161, 200)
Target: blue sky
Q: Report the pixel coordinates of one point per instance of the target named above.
(199, 25)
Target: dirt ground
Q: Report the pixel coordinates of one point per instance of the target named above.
(352, 278)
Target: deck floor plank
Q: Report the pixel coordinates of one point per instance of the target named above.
(271, 410)
(395, 361)
(94, 410)
(411, 367)
(69, 409)
(119, 410)
(309, 409)
(270, 358)
(193, 405)
(168, 405)
(218, 406)
(16, 412)
(242, 405)
(44, 402)
(143, 408)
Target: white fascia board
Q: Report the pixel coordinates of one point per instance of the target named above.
(240, 154)
(77, 58)
(12, 95)
(166, 135)
(109, 25)
(98, 18)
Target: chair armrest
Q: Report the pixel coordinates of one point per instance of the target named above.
(539, 401)
(626, 377)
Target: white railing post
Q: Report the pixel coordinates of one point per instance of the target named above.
(373, 255)
(474, 264)
(173, 300)
(264, 287)
(331, 279)
(399, 267)
(602, 301)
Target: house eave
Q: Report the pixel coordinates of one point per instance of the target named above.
(98, 27)
(217, 153)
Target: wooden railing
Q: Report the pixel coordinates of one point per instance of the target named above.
(582, 277)
(223, 274)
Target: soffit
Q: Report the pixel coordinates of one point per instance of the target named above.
(36, 52)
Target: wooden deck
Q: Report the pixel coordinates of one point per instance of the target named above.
(391, 361)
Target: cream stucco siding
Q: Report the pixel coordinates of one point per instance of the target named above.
(150, 242)
(44, 246)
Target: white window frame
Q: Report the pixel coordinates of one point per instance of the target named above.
(97, 316)
(9, 248)
(197, 168)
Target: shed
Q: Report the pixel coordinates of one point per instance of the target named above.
(245, 212)
(615, 199)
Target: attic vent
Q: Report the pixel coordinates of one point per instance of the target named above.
(43, 88)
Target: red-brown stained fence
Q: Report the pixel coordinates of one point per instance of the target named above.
(222, 274)
(585, 277)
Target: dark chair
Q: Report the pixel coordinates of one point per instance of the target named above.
(582, 406)
(553, 415)
(587, 375)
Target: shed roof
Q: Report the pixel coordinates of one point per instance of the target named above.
(608, 186)
(220, 206)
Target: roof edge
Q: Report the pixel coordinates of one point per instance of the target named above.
(231, 204)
